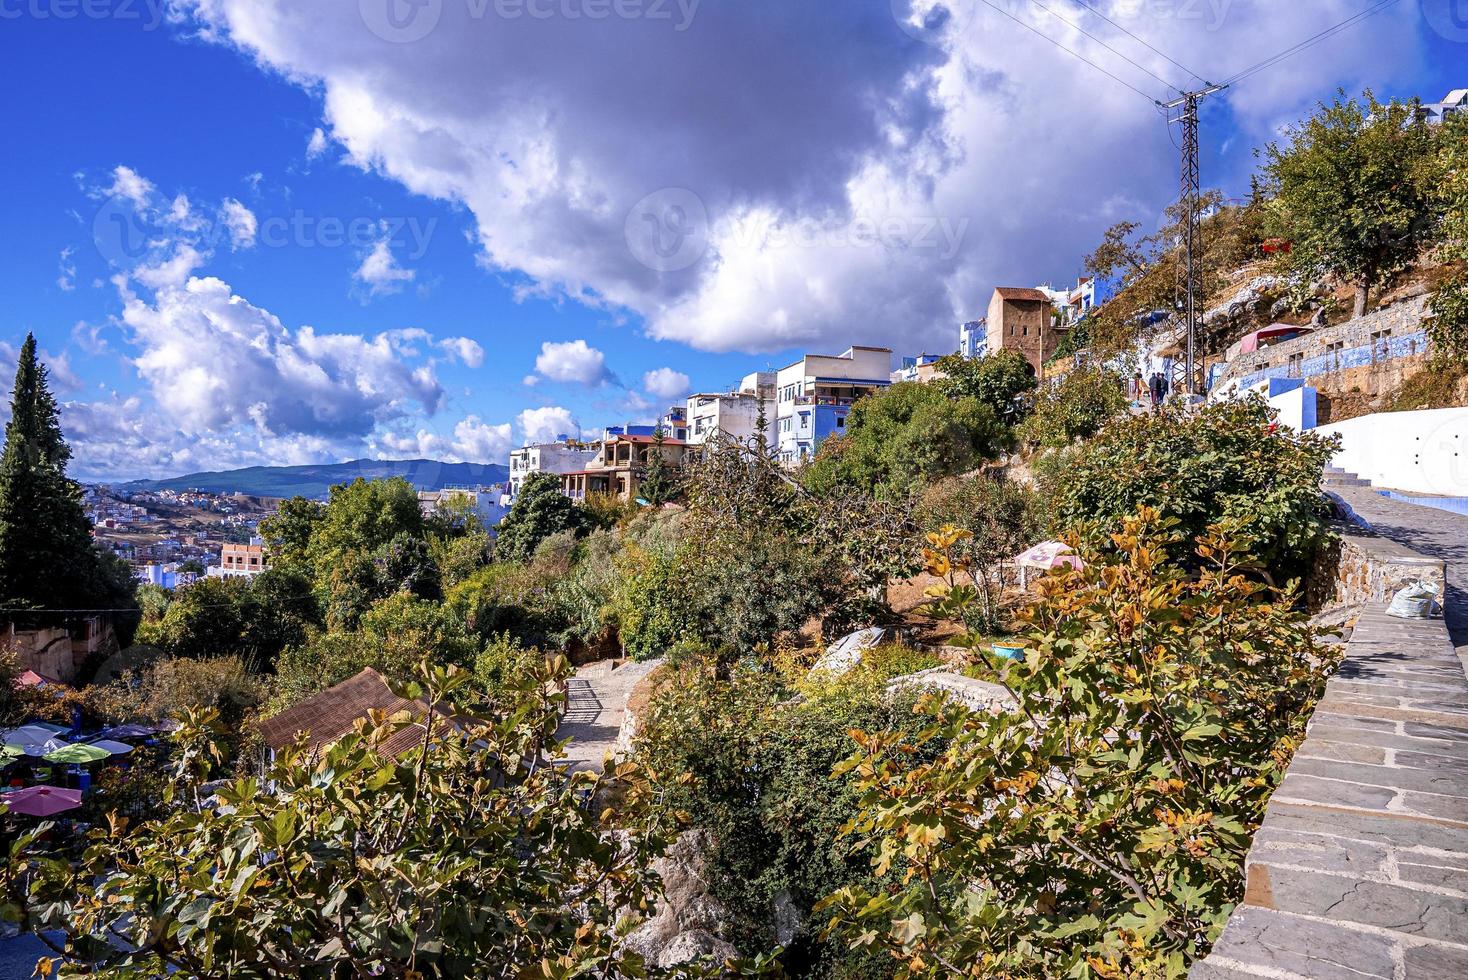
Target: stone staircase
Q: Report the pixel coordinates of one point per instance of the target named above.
(1336, 477)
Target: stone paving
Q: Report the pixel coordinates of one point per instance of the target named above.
(1360, 869)
(596, 701)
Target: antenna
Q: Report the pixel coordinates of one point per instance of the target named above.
(1191, 191)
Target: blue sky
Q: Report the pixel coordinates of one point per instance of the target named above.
(265, 231)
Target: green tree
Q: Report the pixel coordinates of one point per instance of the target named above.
(1001, 381)
(659, 484)
(209, 618)
(540, 510)
(362, 516)
(1448, 325)
(1097, 826)
(1074, 407)
(1350, 192)
(288, 531)
(47, 557)
(905, 436)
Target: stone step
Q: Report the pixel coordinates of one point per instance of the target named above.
(1340, 481)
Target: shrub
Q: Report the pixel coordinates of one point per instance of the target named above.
(1229, 461)
(743, 760)
(1075, 407)
(1100, 828)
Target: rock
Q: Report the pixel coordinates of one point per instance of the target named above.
(1280, 307)
(788, 919)
(976, 695)
(1318, 319)
(848, 651)
(1244, 299)
(689, 919)
(691, 945)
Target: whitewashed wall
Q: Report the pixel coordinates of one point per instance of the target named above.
(1425, 452)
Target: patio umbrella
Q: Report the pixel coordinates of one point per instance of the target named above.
(9, 753)
(78, 754)
(114, 748)
(1045, 556)
(42, 801)
(35, 732)
(128, 731)
(51, 727)
(42, 747)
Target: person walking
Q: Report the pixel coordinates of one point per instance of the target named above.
(1154, 388)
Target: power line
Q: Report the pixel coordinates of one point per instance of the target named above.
(1108, 47)
(1141, 41)
(1069, 51)
(1310, 42)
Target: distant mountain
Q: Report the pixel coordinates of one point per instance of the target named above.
(316, 480)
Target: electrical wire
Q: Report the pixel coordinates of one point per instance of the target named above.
(1074, 54)
(1097, 11)
(1108, 47)
(1310, 42)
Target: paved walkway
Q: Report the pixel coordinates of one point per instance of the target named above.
(1428, 531)
(596, 703)
(1360, 869)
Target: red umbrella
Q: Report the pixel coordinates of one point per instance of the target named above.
(42, 801)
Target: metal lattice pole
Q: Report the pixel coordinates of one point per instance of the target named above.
(1190, 193)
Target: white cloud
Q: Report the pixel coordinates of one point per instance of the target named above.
(66, 269)
(574, 361)
(881, 205)
(240, 222)
(476, 441)
(664, 382)
(380, 271)
(464, 349)
(544, 424)
(316, 146)
(129, 184)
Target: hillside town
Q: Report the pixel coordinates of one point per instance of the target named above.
(888, 619)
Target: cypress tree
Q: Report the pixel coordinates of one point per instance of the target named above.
(47, 559)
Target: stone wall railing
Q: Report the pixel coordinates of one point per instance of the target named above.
(1360, 868)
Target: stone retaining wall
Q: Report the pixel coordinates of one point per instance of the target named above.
(1360, 868)
(1365, 568)
(1369, 342)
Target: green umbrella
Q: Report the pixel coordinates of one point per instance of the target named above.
(9, 753)
(77, 754)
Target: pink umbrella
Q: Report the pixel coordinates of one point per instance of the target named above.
(42, 801)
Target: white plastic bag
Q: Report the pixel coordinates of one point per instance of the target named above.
(1413, 602)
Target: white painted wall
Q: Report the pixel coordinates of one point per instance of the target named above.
(1425, 452)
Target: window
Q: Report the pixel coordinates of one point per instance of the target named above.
(1296, 362)
(840, 421)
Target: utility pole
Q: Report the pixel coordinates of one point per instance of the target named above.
(1188, 201)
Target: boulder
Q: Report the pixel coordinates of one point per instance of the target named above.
(841, 656)
(688, 920)
(973, 694)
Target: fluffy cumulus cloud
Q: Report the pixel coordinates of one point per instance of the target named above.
(545, 424)
(227, 382)
(773, 173)
(664, 382)
(316, 145)
(573, 361)
(472, 441)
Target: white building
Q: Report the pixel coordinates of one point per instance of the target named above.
(560, 457)
(1436, 113)
(814, 395)
(735, 413)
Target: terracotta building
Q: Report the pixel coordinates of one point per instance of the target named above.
(621, 465)
(1022, 319)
